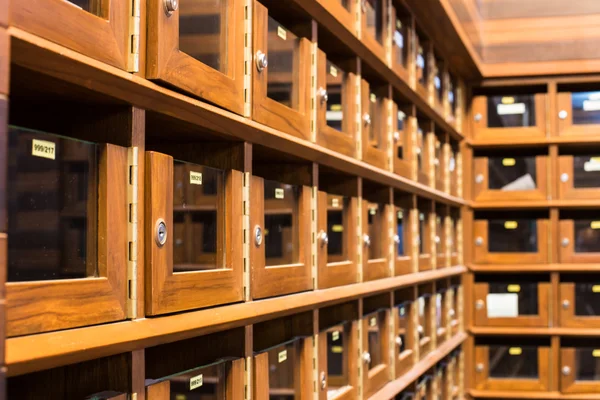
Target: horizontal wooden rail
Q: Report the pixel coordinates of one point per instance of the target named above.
(392, 388)
(525, 141)
(520, 394)
(47, 350)
(527, 331)
(536, 204)
(53, 60)
(516, 268)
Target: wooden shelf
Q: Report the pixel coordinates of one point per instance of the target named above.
(392, 388)
(493, 394)
(38, 352)
(536, 204)
(555, 267)
(527, 331)
(67, 65)
(534, 142)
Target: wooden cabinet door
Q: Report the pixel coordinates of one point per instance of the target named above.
(404, 342)
(513, 117)
(200, 262)
(336, 107)
(402, 137)
(375, 355)
(99, 29)
(401, 43)
(403, 242)
(579, 369)
(336, 240)
(281, 91)
(337, 347)
(65, 191)
(199, 48)
(276, 268)
(578, 176)
(344, 11)
(579, 299)
(578, 113)
(425, 219)
(374, 125)
(375, 240)
(579, 235)
(375, 20)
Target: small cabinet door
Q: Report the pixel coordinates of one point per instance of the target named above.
(425, 220)
(510, 239)
(402, 149)
(374, 124)
(281, 78)
(336, 240)
(422, 66)
(441, 315)
(579, 176)
(580, 366)
(500, 177)
(375, 240)
(579, 299)
(512, 364)
(96, 28)
(520, 301)
(198, 46)
(401, 42)
(442, 256)
(452, 107)
(423, 160)
(579, 113)
(455, 170)
(197, 260)
(403, 243)
(405, 337)
(440, 86)
(426, 322)
(579, 233)
(455, 241)
(71, 196)
(337, 345)
(280, 238)
(375, 351)
(336, 106)
(344, 11)
(375, 20)
(509, 117)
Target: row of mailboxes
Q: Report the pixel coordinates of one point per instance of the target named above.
(282, 351)
(521, 237)
(525, 115)
(528, 364)
(199, 46)
(528, 300)
(68, 208)
(525, 175)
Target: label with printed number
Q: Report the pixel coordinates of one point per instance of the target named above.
(43, 148)
(279, 193)
(282, 356)
(281, 32)
(195, 178)
(196, 382)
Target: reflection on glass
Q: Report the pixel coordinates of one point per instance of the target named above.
(91, 6)
(587, 299)
(421, 65)
(400, 139)
(374, 19)
(207, 382)
(511, 111)
(402, 326)
(52, 191)
(587, 235)
(337, 359)
(375, 339)
(203, 31)
(516, 236)
(512, 173)
(438, 84)
(422, 233)
(337, 206)
(440, 237)
(507, 362)
(335, 92)
(586, 108)
(586, 171)
(374, 131)
(587, 364)
(526, 292)
(454, 238)
(399, 48)
(400, 233)
(452, 95)
(281, 372)
(281, 233)
(282, 74)
(376, 221)
(198, 200)
(438, 160)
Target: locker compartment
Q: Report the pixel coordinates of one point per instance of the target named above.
(205, 367)
(579, 365)
(405, 314)
(442, 248)
(455, 299)
(509, 115)
(440, 85)
(375, 20)
(578, 110)
(579, 297)
(403, 143)
(426, 313)
(455, 242)
(375, 114)
(455, 374)
(453, 109)
(516, 237)
(375, 325)
(338, 343)
(516, 300)
(423, 64)
(579, 232)
(425, 388)
(512, 363)
(516, 174)
(423, 163)
(439, 173)
(376, 206)
(442, 311)
(426, 228)
(455, 169)
(578, 174)
(401, 40)
(403, 235)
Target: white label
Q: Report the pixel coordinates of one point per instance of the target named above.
(591, 166)
(335, 335)
(281, 32)
(196, 382)
(333, 71)
(421, 306)
(401, 115)
(373, 321)
(452, 165)
(398, 39)
(373, 98)
(43, 148)
(334, 115)
(335, 202)
(511, 109)
(525, 182)
(282, 356)
(502, 305)
(279, 193)
(591, 105)
(400, 215)
(195, 178)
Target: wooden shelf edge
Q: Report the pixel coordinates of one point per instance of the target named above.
(497, 394)
(552, 267)
(394, 387)
(534, 142)
(47, 350)
(527, 331)
(538, 204)
(70, 66)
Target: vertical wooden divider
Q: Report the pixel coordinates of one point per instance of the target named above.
(361, 366)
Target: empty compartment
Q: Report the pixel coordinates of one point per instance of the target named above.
(579, 297)
(579, 365)
(578, 110)
(578, 174)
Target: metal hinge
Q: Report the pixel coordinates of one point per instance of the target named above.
(247, 378)
(313, 93)
(132, 232)
(246, 233)
(133, 57)
(313, 227)
(248, 58)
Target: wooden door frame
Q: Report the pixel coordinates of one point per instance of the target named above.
(89, 301)
(565, 127)
(566, 190)
(402, 167)
(376, 268)
(406, 359)
(166, 291)
(266, 110)
(567, 254)
(567, 316)
(403, 264)
(426, 261)
(378, 157)
(375, 378)
(351, 390)
(568, 383)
